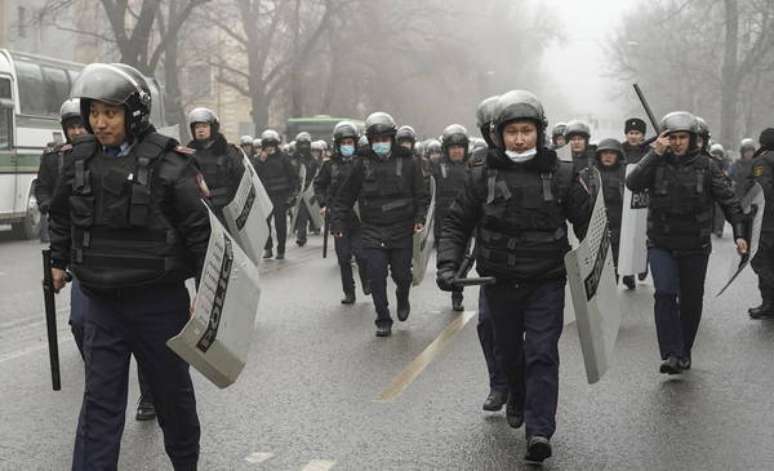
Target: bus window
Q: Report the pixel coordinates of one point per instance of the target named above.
(6, 128)
(5, 89)
(31, 91)
(57, 88)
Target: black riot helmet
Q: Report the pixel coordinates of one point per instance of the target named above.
(577, 127)
(454, 135)
(270, 138)
(518, 105)
(115, 84)
(610, 145)
(380, 124)
(559, 129)
(433, 147)
(303, 142)
(484, 117)
(70, 110)
(204, 115)
(680, 121)
(345, 130)
(746, 145)
(406, 134)
(362, 143)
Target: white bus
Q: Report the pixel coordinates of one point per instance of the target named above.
(32, 89)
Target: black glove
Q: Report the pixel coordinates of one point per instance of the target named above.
(445, 279)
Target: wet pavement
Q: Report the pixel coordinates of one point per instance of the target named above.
(312, 394)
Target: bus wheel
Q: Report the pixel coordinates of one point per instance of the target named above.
(29, 228)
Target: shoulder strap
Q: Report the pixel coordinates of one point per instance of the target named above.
(547, 178)
(490, 184)
(83, 151)
(149, 149)
(399, 167)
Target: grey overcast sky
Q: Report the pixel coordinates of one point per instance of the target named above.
(577, 65)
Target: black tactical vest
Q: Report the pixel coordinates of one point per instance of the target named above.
(120, 236)
(274, 175)
(449, 180)
(613, 185)
(762, 169)
(217, 169)
(681, 205)
(523, 228)
(386, 197)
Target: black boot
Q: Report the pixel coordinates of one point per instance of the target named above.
(538, 449)
(671, 366)
(145, 409)
(496, 400)
(280, 255)
(268, 253)
(514, 412)
(404, 308)
(762, 311)
(383, 330)
(628, 281)
(457, 301)
(349, 298)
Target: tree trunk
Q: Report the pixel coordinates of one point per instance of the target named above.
(296, 83)
(172, 97)
(730, 75)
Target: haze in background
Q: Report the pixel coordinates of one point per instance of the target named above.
(577, 65)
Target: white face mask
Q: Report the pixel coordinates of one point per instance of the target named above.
(520, 157)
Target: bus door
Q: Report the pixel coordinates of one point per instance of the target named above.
(8, 161)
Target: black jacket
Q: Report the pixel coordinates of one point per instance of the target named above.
(329, 179)
(634, 154)
(519, 212)
(613, 184)
(391, 194)
(222, 167)
(683, 191)
(119, 222)
(278, 175)
(52, 163)
(762, 172)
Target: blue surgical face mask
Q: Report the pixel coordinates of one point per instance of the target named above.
(347, 151)
(381, 148)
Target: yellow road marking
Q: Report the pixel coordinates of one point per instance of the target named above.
(416, 367)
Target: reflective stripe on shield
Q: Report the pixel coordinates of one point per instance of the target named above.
(633, 250)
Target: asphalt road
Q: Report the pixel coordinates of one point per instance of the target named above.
(309, 397)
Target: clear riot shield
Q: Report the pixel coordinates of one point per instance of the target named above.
(217, 338)
(753, 203)
(591, 276)
(312, 206)
(246, 214)
(424, 241)
(299, 199)
(633, 250)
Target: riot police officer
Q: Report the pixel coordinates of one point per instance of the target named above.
(498, 384)
(519, 204)
(433, 151)
(281, 182)
(741, 169)
(684, 184)
(633, 148)
(246, 144)
(612, 170)
(450, 173)
(763, 263)
(303, 157)
(406, 137)
(128, 220)
(558, 138)
(578, 135)
(52, 160)
(221, 163)
(332, 175)
(388, 185)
